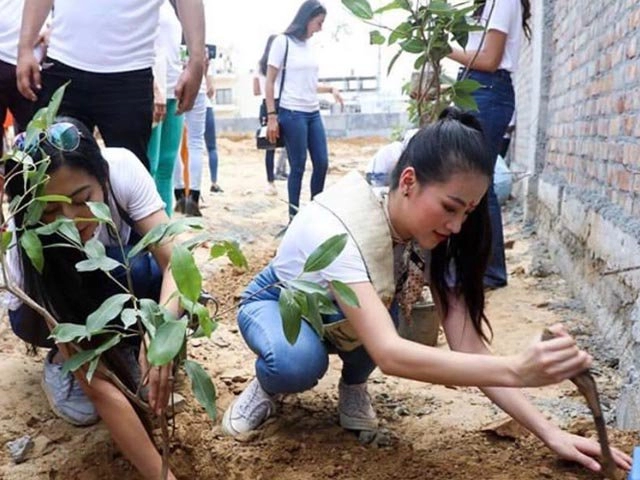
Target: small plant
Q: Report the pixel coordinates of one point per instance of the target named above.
(164, 336)
(426, 32)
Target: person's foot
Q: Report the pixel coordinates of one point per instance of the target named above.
(354, 407)
(179, 206)
(215, 188)
(271, 189)
(66, 398)
(247, 412)
(281, 176)
(191, 208)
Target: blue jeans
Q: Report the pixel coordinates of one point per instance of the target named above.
(282, 367)
(496, 104)
(146, 277)
(210, 140)
(303, 131)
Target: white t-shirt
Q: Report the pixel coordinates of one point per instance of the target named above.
(133, 189)
(168, 66)
(10, 20)
(507, 18)
(300, 90)
(309, 228)
(104, 36)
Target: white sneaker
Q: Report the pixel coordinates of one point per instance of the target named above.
(271, 189)
(248, 411)
(354, 406)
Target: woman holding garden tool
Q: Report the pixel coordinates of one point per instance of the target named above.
(76, 175)
(336, 266)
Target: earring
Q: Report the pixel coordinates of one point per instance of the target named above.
(405, 193)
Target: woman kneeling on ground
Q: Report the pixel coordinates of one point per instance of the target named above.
(437, 202)
(78, 169)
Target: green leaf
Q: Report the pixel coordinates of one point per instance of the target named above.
(345, 294)
(326, 253)
(77, 360)
(53, 198)
(54, 104)
(307, 287)
(466, 86)
(376, 38)
(109, 310)
(235, 255)
(167, 343)
(185, 273)
(202, 386)
(128, 317)
(32, 245)
(105, 264)
(150, 315)
(93, 365)
(395, 4)
(439, 7)
(313, 315)
(70, 230)
(290, 312)
(52, 227)
(100, 211)
(401, 31)
(325, 305)
(7, 236)
(393, 61)
(112, 342)
(465, 101)
(360, 8)
(94, 249)
(420, 61)
(413, 45)
(68, 332)
(34, 213)
(152, 237)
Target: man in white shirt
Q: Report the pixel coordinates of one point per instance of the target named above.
(105, 48)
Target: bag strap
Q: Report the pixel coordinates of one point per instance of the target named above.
(284, 66)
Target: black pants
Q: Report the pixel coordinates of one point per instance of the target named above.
(12, 100)
(119, 104)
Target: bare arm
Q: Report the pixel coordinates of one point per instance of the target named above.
(488, 58)
(191, 14)
(541, 364)
(28, 69)
(256, 86)
(512, 401)
(273, 131)
(322, 88)
(159, 384)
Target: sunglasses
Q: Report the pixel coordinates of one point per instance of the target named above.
(64, 136)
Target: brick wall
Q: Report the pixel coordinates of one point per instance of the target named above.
(593, 135)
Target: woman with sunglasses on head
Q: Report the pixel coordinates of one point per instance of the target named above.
(78, 169)
(292, 71)
(492, 59)
(436, 201)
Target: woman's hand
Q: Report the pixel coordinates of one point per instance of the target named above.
(159, 381)
(583, 450)
(273, 130)
(338, 98)
(551, 361)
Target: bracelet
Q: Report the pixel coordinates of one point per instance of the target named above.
(272, 113)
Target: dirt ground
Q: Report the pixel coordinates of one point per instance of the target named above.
(430, 432)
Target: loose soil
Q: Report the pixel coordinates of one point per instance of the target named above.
(430, 432)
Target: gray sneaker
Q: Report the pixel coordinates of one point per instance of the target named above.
(66, 398)
(354, 406)
(248, 411)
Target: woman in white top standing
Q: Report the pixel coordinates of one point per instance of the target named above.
(297, 118)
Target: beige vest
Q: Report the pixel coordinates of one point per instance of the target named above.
(361, 211)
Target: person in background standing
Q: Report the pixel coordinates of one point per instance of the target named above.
(210, 128)
(10, 98)
(259, 89)
(492, 59)
(106, 50)
(298, 117)
(167, 131)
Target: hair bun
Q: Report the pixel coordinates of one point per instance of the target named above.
(459, 115)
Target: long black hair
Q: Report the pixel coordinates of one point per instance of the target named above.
(307, 11)
(526, 14)
(70, 296)
(455, 144)
(262, 63)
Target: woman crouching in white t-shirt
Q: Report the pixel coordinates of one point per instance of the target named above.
(78, 169)
(437, 200)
